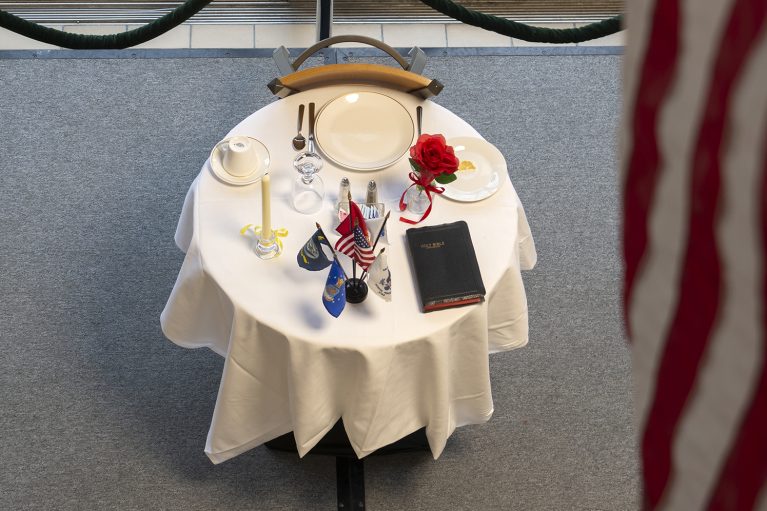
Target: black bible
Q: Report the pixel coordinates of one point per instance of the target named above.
(445, 266)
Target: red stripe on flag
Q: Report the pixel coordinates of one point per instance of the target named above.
(700, 283)
(745, 471)
(658, 70)
(346, 248)
(365, 259)
(346, 244)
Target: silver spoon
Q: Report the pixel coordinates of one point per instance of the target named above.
(299, 142)
(308, 162)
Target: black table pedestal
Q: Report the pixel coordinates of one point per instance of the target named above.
(350, 475)
(350, 483)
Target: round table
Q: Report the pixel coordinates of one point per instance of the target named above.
(386, 369)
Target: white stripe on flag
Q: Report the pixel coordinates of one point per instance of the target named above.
(365, 257)
(346, 244)
(715, 410)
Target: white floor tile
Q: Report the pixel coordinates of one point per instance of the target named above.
(222, 36)
(178, 37)
(290, 36)
(460, 35)
(409, 35)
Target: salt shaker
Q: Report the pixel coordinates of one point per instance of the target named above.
(372, 195)
(344, 190)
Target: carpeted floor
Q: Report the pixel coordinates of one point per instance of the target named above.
(98, 411)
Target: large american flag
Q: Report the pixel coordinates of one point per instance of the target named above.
(694, 156)
(356, 246)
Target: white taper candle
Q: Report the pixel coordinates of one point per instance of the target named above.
(266, 207)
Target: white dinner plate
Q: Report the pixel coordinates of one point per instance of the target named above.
(481, 170)
(217, 167)
(364, 131)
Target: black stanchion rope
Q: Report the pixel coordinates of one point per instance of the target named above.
(523, 31)
(191, 7)
(103, 42)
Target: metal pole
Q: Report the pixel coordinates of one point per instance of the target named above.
(350, 484)
(324, 18)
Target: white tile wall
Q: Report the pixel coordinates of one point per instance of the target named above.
(13, 41)
(460, 35)
(373, 30)
(423, 35)
(222, 36)
(178, 37)
(290, 36)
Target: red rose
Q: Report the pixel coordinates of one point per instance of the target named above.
(434, 156)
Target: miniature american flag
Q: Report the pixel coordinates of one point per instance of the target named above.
(356, 246)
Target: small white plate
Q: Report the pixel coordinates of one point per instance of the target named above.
(364, 130)
(217, 167)
(481, 171)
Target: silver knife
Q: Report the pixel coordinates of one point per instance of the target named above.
(311, 127)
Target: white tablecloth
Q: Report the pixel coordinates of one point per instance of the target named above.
(385, 368)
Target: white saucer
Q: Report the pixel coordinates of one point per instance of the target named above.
(486, 176)
(216, 166)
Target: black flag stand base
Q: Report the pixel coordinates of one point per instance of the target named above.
(350, 483)
(356, 290)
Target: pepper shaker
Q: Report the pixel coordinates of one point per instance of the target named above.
(372, 195)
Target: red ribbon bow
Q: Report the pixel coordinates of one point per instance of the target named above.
(419, 180)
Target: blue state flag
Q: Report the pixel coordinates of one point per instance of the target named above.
(311, 256)
(334, 296)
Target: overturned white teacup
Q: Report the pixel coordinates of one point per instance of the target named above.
(239, 160)
(240, 156)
